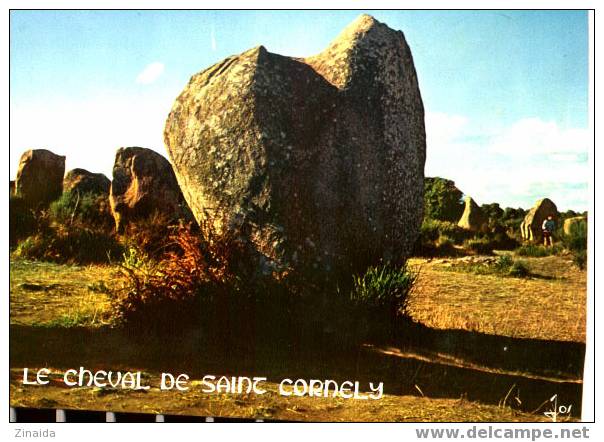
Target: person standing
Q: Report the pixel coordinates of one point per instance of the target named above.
(548, 231)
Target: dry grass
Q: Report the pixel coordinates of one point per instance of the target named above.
(271, 405)
(48, 294)
(552, 306)
(59, 296)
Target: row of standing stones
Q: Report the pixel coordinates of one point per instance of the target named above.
(316, 163)
(143, 183)
(474, 219)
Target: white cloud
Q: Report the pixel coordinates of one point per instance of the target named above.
(442, 129)
(151, 73)
(514, 165)
(533, 136)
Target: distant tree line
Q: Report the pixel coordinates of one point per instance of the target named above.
(443, 201)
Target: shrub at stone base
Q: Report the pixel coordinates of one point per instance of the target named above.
(380, 298)
(576, 242)
(198, 286)
(86, 209)
(22, 220)
(179, 287)
(75, 229)
(482, 246)
(74, 245)
(538, 251)
(519, 269)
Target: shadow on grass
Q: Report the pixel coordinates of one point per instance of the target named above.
(422, 361)
(562, 359)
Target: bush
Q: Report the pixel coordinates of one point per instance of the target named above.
(504, 263)
(493, 212)
(75, 229)
(384, 288)
(482, 246)
(445, 241)
(87, 209)
(512, 267)
(538, 251)
(512, 218)
(22, 220)
(379, 299)
(74, 245)
(453, 231)
(445, 246)
(576, 242)
(437, 238)
(519, 269)
(442, 200)
(502, 241)
(151, 235)
(580, 258)
(203, 283)
(191, 276)
(432, 229)
(429, 230)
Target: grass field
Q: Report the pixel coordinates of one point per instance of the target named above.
(549, 305)
(485, 348)
(47, 294)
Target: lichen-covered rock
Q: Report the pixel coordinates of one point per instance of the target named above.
(530, 228)
(39, 178)
(143, 183)
(83, 181)
(473, 218)
(569, 223)
(317, 163)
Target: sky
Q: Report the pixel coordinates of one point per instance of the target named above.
(505, 92)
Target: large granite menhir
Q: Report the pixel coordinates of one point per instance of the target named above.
(143, 183)
(83, 181)
(473, 218)
(317, 163)
(39, 179)
(530, 228)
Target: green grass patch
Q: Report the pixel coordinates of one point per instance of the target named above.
(482, 246)
(76, 319)
(504, 266)
(538, 251)
(384, 289)
(576, 242)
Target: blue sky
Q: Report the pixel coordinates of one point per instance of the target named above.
(505, 92)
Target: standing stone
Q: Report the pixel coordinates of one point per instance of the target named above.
(82, 181)
(473, 218)
(316, 163)
(530, 228)
(143, 183)
(39, 177)
(570, 222)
